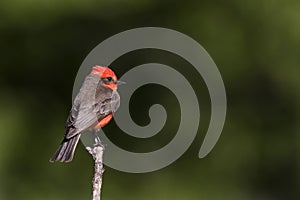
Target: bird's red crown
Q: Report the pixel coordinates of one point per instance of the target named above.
(103, 72)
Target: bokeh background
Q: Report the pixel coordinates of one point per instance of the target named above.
(254, 43)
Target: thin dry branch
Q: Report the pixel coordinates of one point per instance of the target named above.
(97, 153)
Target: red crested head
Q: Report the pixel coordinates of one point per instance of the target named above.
(103, 72)
(108, 77)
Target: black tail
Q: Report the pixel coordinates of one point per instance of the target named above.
(66, 150)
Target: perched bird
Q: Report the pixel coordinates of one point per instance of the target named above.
(92, 109)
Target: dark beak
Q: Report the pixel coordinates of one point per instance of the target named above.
(120, 82)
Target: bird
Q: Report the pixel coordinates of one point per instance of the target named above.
(93, 108)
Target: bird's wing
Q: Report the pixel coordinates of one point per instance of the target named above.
(83, 114)
(109, 104)
(108, 101)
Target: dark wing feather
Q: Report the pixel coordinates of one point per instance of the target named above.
(109, 105)
(83, 115)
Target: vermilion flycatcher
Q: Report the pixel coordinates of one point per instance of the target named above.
(92, 108)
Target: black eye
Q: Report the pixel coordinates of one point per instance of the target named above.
(107, 80)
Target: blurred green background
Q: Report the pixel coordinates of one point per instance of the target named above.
(255, 45)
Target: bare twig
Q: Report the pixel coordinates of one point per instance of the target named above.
(97, 153)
